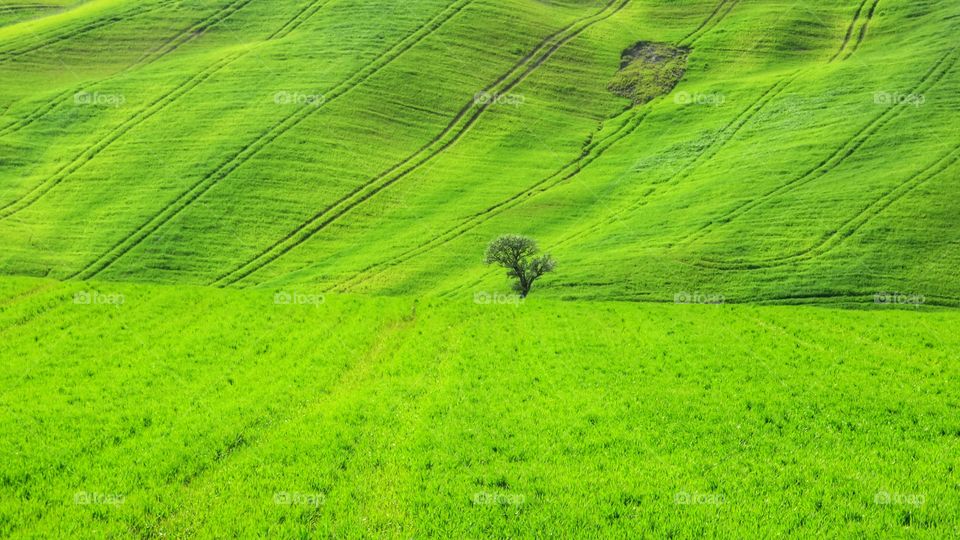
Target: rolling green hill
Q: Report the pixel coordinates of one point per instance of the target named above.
(242, 290)
(807, 152)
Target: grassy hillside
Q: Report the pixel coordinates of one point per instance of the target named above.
(242, 290)
(178, 411)
(807, 152)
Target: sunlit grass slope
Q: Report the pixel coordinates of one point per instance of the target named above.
(180, 411)
(809, 152)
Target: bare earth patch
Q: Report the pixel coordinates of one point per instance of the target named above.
(648, 70)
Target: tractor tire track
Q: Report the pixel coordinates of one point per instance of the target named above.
(297, 20)
(32, 196)
(849, 34)
(711, 24)
(6, 56)
(364, 192)
(836, 238)
(175, 42)
(705, 22)
(265, 138)
(840, 155)
(191, 33)
(28, 11)
(20, 7)
(863, 29)
(590, 153)
(38, 113)
(726, 134)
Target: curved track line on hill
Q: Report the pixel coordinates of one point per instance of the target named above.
(6, 8)
(755, 107)
(365, 191)
(853, 25)
(840, 155)
(30, 9)
(173, 43)
(725, 135)
(590, 154)
(6, 56)
(36, 114)
(238, 158)
(103, 143)
(705, 21)
(863, 29)
(297, 20)
(836, 238)
(189, 34)
(142, 115)
(711, 23)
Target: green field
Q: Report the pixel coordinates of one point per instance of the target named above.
(242, 289)
(427, 418)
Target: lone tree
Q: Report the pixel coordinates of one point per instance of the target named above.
(517, 254)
